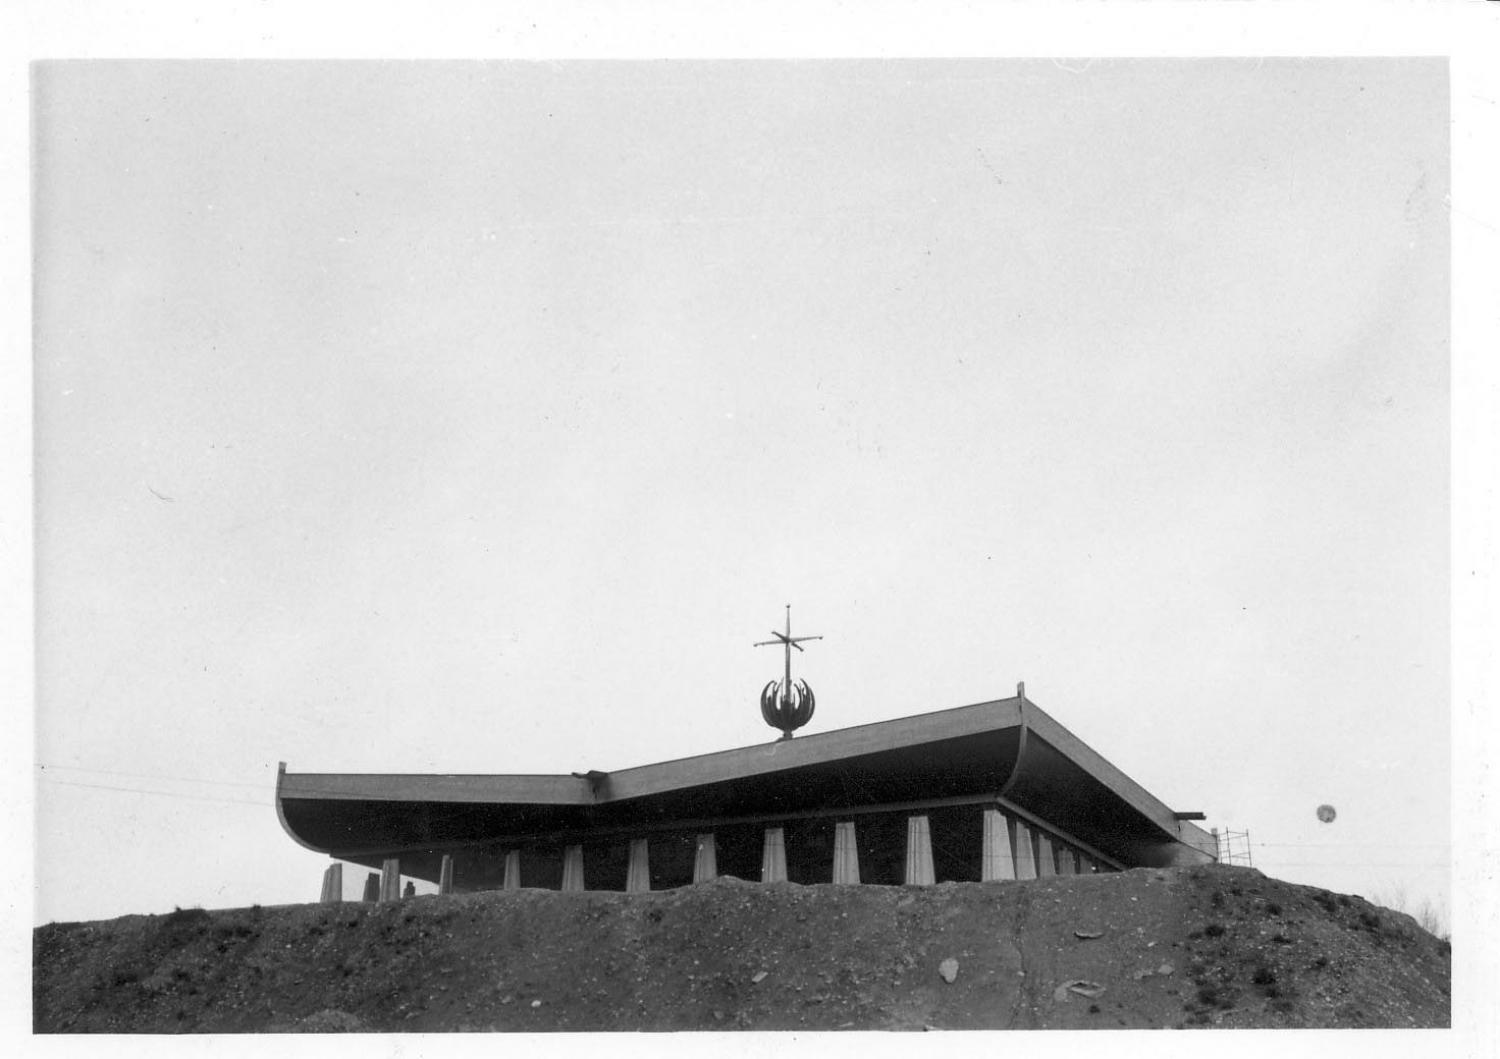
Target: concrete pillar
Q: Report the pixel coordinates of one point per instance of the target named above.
(572, 880)
(1067, 861)
(1025, 862)
(773, 856)
(998, 862)
(1046, 863)
(333, 884)
(333, 888)
(638, 873)
(445, 874)
(919, 852)
(390, 879)
(705, 859)
(845, 853)
(372, 887)
(512, 870)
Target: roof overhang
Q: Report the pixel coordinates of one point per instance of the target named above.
(1007, 751)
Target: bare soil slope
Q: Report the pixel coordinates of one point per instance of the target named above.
(1210, 946)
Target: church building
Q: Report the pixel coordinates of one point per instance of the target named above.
(995, 790)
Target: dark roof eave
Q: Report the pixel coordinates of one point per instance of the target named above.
(741, 764)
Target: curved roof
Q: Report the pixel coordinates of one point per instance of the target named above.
(1007, 750)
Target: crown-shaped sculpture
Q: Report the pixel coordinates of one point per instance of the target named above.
(784, 704)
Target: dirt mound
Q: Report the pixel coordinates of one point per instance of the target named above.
(1210, 946)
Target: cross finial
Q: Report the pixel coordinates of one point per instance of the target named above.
(783, 704)
(788, 641)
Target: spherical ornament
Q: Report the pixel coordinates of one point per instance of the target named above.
(787, 706)
(1326, 813)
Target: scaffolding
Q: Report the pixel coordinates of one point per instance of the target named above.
(1233, 847)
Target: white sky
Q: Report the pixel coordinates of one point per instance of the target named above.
(502, 406)
(472, 417)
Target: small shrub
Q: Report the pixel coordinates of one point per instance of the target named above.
(182, 925)
(1263, 975)
(1273, 909)
(1321, 962)
(1428, 916)
(1214, 930)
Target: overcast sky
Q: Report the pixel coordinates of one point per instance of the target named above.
(479, 418)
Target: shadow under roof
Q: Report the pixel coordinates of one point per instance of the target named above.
(1004, 748)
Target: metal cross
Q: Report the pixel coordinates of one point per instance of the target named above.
(788, 641)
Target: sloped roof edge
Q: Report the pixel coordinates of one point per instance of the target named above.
(645, 781)
(639, 781)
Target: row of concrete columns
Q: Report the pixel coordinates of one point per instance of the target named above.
(999, 860)
(637, 872)
(384, 885)
(1001, 863)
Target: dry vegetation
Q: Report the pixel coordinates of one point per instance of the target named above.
(1426, 914)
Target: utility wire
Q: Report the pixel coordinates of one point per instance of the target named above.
(1337, 845)
(262, 804)
(151, 776)
(162, 794)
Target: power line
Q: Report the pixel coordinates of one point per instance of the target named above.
(1352, 845)
(1352, 864)
(152, 776)
(261, 805)
(162, 794)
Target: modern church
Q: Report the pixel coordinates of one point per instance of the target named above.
(996, 790)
